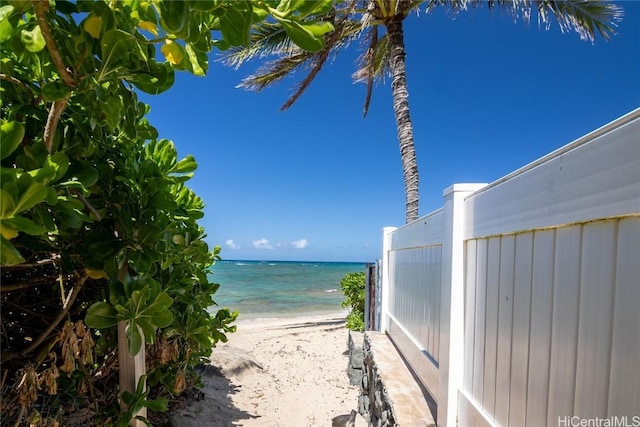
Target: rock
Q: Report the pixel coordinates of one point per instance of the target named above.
(356, 357)
(233, 362)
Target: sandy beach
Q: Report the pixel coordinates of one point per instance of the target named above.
(276, 372)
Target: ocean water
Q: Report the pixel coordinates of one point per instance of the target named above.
(260, 289)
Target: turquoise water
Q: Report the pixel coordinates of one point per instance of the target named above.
(280, 288)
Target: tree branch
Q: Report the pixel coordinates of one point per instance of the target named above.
(54, 323)
(41, 7)
(23, 285)
(57, 107)
(87, 204)
(52, 122)
(16, 82)
(54, 258)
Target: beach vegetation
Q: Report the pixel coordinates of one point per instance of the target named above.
(377, 26)
(352, 285)
(98, 226)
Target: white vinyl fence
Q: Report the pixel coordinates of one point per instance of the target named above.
(518, 302)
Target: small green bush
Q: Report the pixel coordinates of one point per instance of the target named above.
(352, 285)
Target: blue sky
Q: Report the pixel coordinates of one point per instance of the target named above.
(318, 182)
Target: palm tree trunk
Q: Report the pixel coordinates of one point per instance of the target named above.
(403, 119)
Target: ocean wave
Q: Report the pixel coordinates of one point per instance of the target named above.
(331, 290)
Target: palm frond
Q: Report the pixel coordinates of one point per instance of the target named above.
(366, 72)
(345, 30)
(266, 39)
(293, 59)
(586, 17)
(269, 39)
(374, 64)
(274, 71)
(380, 61)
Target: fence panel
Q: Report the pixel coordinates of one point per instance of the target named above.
(505, 326)
(624, 386)
(549, 253)
(547, 307)
(564, 332)
(594, 327)
(414, 269)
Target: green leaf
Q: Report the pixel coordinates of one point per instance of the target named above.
(128, 397)
(205, 5)
(6, 29)
(315, 7)
(99, 244)
(186, 165)
(52, 196)
(287, 7)
(134, 337)
(6, 11)
(156, 79)
(120, 50)
(35, 194)
(66, 7)
(160, 404)
(235, 25)
(157, 312)
(199, 60)
(55, 91)
(125, 417)
(259, 15)
(147, 329)
(9, 255)
(7, 204)
(141, 386)
(59, 163)
(68, 212)
(33, 40)
(24, 225)
(11, 135)
(146, 131)
(173, 15)
(318, 29)
(221, 44)
(43, 175)
(101, 315)
(308, 35)
(84, 172)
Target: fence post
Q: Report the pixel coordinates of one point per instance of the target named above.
(131, 369)
(368, 281)
(452, 302)
(377, 298)
(385, 278)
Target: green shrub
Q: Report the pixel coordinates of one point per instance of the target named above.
(97, 224)
(352, 285)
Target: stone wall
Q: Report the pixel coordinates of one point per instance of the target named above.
(390, 395)
(356, 357)
(373, 403)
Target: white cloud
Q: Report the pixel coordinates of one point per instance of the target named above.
(300, 244)
(262, 244)
(231, 244)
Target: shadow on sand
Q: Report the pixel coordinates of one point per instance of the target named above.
(216, 408)
(330, 322)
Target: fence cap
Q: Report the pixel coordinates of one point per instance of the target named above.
(466, 187)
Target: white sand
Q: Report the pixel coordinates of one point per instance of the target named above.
(277, 372)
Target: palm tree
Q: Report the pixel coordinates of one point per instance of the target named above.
(385, 54)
